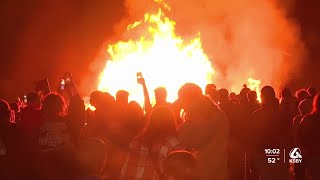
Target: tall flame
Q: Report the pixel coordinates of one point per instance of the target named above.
(163, 57)
(254, 85)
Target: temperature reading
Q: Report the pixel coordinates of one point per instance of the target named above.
(272, 155)
(271, 160)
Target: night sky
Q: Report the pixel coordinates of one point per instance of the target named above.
(41, 39)
(46, 38)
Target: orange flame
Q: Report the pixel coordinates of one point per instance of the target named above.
(164, 59)
(88, 105)
(254, 85)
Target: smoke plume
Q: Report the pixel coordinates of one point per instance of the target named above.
(243, 38)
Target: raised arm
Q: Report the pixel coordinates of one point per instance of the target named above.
(147, 104)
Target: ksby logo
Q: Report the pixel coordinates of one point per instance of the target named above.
(295, 156)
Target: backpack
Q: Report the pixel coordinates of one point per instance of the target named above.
(166, 146)
(148, 158)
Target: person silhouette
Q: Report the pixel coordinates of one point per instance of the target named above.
(253, 101)
(150, 148)
(161, 96)
(232, 95)
(243, 98)
(8, 143)
(305, 107)
(312, 92)
(103, 117)
(122, 98)
(308, 136)
(55, 140)
(268, 130)
(205, 128)
(236, 148)
(302, 94)
(212, 93)
(97, 99)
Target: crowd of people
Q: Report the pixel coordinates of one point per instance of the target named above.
(211, 135)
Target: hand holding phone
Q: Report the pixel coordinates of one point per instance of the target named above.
(140, 79)
(25, 99)
(70, 85)
(62, 85)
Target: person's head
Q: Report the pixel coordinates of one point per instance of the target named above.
(305, 107)
(108, 99)
(161, 124)
(53, 105)
(243, 94)
(97, 99)
(286, 93)
(316, 104)
(92, 155)
(252, 96)
(160, 94)
(210, 88)
(302, 94)
(212, 92)
(5, 113)
(34, 100)
(134, 117)
(188, 94)
(180, 165)
(232, 95)
(268, 95)
(134, 110)
(195, 105)
(312, 91)
(236, 101)
(223, 95)
(122, 97)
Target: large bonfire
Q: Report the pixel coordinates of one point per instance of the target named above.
(164, 59)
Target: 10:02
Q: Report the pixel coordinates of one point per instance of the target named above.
(272, 151)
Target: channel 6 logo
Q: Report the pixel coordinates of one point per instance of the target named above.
(295, 156)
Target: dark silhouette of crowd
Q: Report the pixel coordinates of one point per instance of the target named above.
(210, 135)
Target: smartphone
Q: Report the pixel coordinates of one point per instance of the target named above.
(25, 99)
(139, 77)
(62, 84)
